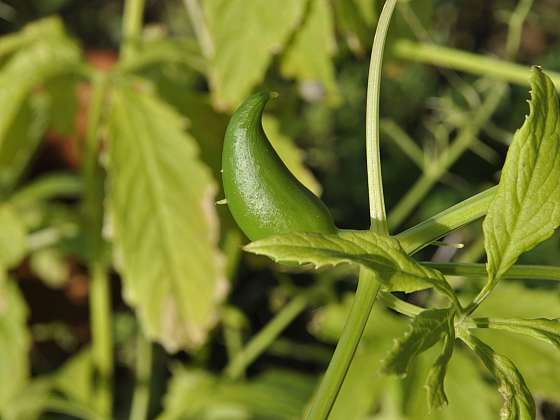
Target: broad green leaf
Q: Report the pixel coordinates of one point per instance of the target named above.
(381, 254)
(13, 245)
(14, 342)
(436, 375)
(31, 67)
(518, 401)
(290, 154)
(309, 57)
(30, 401)
(274, 395)
(165, 225)
(63, 98)
(547, 330)
(21, 140)
(245, 35)
(526, 208)
(426, 330)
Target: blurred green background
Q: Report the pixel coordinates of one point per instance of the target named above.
(444, 133)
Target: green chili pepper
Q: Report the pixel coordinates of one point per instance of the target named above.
(264, 197)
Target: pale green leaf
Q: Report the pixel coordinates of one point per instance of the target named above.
(245, 35)
(74, 378)
(309, 57)
(165, 224)
(13, 245)
(436, 375)
(37, 30)
(426, 329)
(31, 67)
(290, 154)
(274, 395)
(518, 401)
(21, 140)
(547, 330)
(51, 266)
(526, 208)
(63, 98)
(14, 342)
(30, 401)
(381, 254)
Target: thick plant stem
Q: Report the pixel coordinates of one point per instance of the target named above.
(100, 291)
(141, 396)
(101, 326)
(265, 337)
(132, 27)
(331, 383)
(479, 65)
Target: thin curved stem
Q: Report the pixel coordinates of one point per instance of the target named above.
(141, 396)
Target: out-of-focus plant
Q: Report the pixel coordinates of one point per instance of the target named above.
(138, 200)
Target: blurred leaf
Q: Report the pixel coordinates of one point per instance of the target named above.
(290, 154)
(14, 342)
(29, 68)
(526, 208)
(426, 329)
(37, 30)
(13, 244)
(381, 254)
(162, 199)
(309, 57)
(51, 266)
(30, 401)
(21, 140)
(353, 24)
(74, 378)
(273, 395)
(518, 401)
(538, 362)
(63, 104)
(246, 33)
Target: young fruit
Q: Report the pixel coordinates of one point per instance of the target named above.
(263, 196)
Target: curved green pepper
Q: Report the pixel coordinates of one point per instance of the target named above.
(263, 195)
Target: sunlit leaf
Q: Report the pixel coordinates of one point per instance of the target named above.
(246, 34)
(13, 245)
(165, 225)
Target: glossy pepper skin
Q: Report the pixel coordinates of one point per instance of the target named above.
(263, 196)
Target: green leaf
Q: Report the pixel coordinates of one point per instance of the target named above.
(21, 140)
(436, 376)
(14, 342)
(37, 30)
(381, 254)
(246, 34)
(518, 401)
(547, 330)
(309, 57)
(74, 378)
(426, 330)
(290, 154)
(165, 224)
(30, 401)
(51, 266)
(526, 208)
(274, 395)
(63, 97)
(31, 67)
(13, 242)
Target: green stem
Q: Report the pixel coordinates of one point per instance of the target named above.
(368, 287)
(437, 169)
(331, 383)
(102, 342)
(265, 337)
(71, 408)
(400, 306)
(132, 27)
(517, 272)
(141, 396)
(200, 29)
(421, 235)
(100, 291)
(467, 62)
